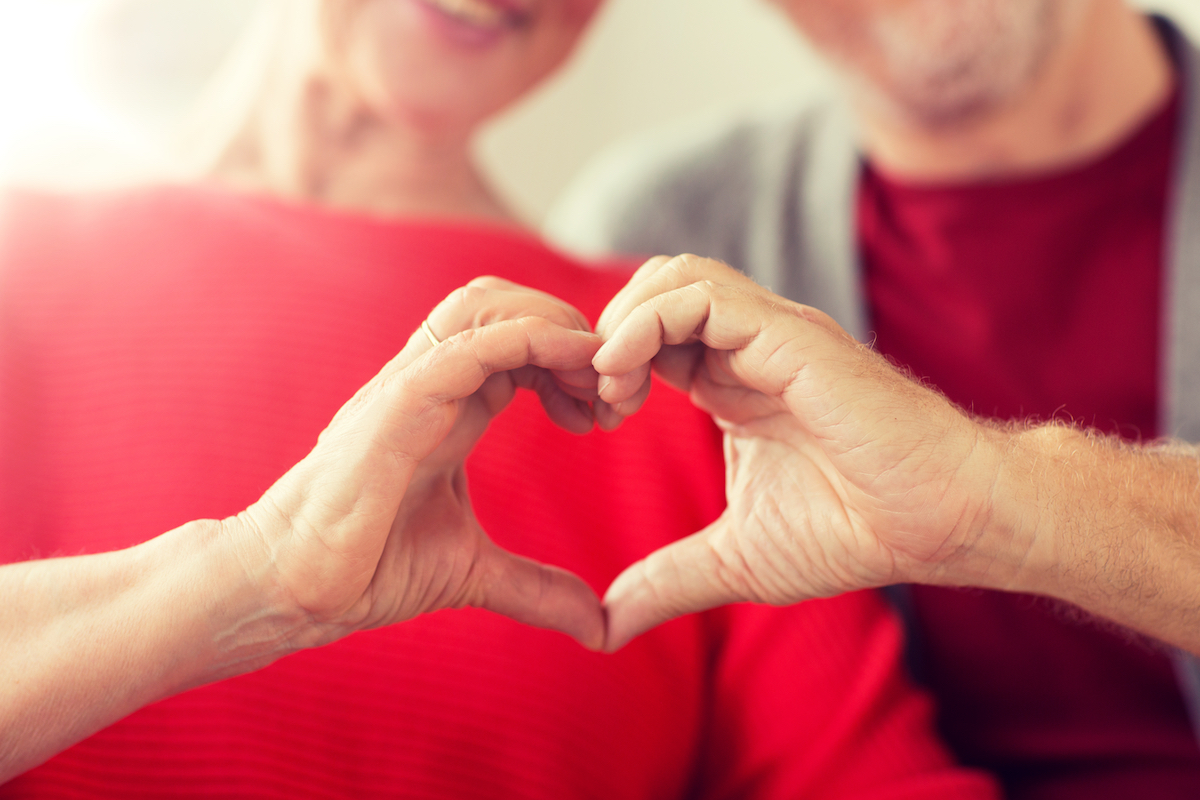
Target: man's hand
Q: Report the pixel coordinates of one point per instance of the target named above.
(842, 473)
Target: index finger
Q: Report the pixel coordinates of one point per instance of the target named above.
(659, 275)
(411, 406)
(760, 332)
(485, 301)
(459, 366)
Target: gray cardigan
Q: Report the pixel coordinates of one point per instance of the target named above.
(774, 196)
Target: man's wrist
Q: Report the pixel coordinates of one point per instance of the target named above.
(1022, 518)
(1111, 527)
(1006, 544)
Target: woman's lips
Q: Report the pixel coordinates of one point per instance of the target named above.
(482, 14)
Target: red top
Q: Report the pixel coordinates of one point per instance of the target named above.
(165, 355)
(1039, 298)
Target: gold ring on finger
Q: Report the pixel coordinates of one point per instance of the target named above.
(433, 339)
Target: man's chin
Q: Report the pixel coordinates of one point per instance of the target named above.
(969, 60)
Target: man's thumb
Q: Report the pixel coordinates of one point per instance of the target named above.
(686, 576)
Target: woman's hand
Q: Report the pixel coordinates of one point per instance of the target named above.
(842, 473)
(375, 526)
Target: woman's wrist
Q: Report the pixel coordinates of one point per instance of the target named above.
(223, 600)
(93, 638)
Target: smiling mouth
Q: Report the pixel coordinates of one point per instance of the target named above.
(478, 13)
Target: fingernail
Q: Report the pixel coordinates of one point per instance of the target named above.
(600, 356)
(602, 322)
(608, 419)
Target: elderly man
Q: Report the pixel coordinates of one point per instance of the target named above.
(1002, 207)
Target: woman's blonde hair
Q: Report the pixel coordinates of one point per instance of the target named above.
(268, 112)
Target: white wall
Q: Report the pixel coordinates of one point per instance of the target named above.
(645, 63)
(650, 61)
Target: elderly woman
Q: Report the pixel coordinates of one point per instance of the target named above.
(166, 353)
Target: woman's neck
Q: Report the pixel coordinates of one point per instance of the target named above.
(387, 170)
(308, 141)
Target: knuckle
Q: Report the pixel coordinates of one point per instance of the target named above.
(679, 265)
(818, 316)
(473, 294)
(489, 282)
(456, 298)
(692, 264)
(398, 391)
(655, 264)
(533, 324)
(474, 300)
(464, 339)
(447, 316)
(463, 301)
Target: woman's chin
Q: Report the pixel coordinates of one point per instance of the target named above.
(477, 24)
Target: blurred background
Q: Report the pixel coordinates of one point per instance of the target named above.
(92, 91)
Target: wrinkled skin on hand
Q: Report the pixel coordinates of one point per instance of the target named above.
(375, 526)
(842, 473)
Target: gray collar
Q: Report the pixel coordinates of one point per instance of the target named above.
(1179, 410)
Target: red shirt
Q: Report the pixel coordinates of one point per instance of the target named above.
(165, 355)
(1039, 298)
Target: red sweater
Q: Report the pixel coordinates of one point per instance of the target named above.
(165, 355)
(1040, 297)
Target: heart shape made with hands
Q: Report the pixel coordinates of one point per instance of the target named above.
(375, 526)
(435, 535)
(818, 502)
(841, 473)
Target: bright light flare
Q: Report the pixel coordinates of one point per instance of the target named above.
(45, 103)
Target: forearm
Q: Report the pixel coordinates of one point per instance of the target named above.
(85, 641)
(1115, 527)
